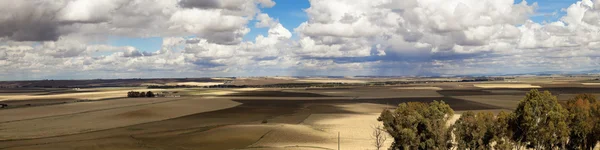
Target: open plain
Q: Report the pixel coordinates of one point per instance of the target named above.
(239, 118)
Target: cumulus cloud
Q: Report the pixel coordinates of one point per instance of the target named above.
(29, 20)
(92, 11)
(339, 37)
(457, 26)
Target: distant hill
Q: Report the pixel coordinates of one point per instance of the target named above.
(98, 82)
(544, 73)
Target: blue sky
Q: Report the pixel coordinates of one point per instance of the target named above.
(290, 14)
(549, 10)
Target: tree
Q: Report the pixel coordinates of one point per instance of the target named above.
(474, 131)
(133, 94)
(587, 97)
(416, 125)
(582, 122)
(540, 122)
(379, 137)
(595, 138)
(150, 94)
(502, 133)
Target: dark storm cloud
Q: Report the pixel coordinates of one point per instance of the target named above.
(29, 22)
(30, 31)
(203, 4)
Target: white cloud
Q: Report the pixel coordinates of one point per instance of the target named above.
(88, 10)
(343, 37)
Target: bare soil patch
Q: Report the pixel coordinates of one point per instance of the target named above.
(502, 101)
(36, 102)
(275, 94)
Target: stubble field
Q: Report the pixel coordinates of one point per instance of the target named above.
(269, 118)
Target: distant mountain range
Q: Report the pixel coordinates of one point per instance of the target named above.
(542, 73)
(587, 72)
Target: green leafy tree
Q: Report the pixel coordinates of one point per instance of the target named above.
(502, 133)
(586, 97)
(540, 122)
(474, 131)
(415, 125)
(582, 122)
(595, 138)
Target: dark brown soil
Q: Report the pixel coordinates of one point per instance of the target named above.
(456, 104)
(275, 94)
(37, 102)
(554, 91)
(64, 92)
(28, 90)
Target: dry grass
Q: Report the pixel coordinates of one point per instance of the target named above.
(519, 86)
(247, 89)
(332, 81)
(227, 137)
(321, 131)
(93, 94)
(195, 83)
(74, 108)
(419, 88)
(112, 117)
(210, 92)
(87, 95)
(285, 78)
(590, 83)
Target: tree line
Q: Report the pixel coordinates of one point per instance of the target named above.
(140, 94)
(538, 122)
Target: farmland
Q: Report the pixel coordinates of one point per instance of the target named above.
(239, 118)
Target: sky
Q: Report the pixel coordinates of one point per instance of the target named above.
(91, 39)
